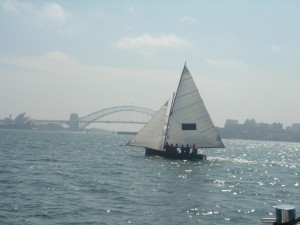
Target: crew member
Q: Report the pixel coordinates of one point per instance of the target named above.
(187, 149)
(182, 150)
(167, 147)
(195, 150)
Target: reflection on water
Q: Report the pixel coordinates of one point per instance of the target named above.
(86, 178)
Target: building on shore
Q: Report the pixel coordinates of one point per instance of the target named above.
(20, 122)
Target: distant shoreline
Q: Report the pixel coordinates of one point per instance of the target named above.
(251, 130)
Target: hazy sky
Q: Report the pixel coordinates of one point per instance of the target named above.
(59, 57)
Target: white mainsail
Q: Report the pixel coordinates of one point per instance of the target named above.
(189, 121)
(151, 135)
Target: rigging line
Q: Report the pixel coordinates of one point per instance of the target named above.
(188, 106)
(187, 93)
(189, 77)
(207, 130)
(174, 121)
(176, 124)
(175, 94)
(216, 141)
(201, 117)
(212, 139)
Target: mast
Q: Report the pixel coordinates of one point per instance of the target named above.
(172, 105)
(168, 121)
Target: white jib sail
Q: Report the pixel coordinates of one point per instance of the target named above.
(189, 121)
(151, 135)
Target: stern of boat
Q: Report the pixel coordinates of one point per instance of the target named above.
(154, 152)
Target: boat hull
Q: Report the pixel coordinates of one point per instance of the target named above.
(155, 152)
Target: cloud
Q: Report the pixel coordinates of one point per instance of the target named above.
(225, 63)
(58, 56)
(146, 41)
(50, 11)
(49, 61)
(14, 6)
(57, 80)
(10, 6)
(275, 48)
(187, 19)
(131, 10)
(54, 12)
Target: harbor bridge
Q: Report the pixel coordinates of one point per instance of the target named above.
(117, 115)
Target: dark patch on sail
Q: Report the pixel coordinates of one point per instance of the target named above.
(188, 126)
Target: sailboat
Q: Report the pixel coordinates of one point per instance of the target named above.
(187, 124)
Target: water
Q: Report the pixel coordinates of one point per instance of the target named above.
(89, 178)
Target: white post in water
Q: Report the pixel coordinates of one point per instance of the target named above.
(285, 213)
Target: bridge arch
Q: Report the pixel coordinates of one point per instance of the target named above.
(92, 117)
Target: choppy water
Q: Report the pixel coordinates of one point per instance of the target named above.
(89, 178)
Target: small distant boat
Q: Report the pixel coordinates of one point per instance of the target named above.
(187, 123)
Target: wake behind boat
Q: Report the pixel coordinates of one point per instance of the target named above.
(187, 124)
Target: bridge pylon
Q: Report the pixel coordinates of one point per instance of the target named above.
(74, 122)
